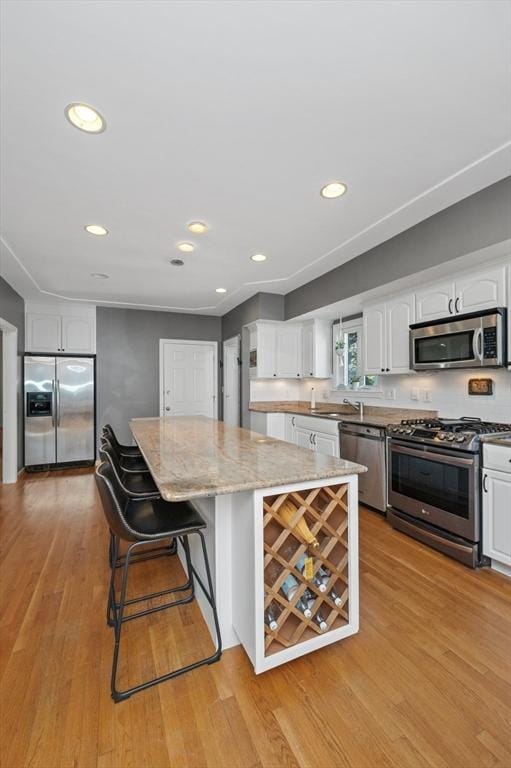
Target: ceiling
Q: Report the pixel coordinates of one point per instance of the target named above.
(236, 113)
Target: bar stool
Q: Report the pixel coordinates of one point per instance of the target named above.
(134, 463)
(140, 522)
(122, 450)
(134, 486)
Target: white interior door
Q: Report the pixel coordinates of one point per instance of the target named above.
(188, 378)
(232, 382)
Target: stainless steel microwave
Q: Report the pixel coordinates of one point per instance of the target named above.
(476, 340)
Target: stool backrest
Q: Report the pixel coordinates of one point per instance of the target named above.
(109, 456)
(113, 501)
(109, 433)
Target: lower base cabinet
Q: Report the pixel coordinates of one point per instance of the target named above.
(497, 503)
(311, 432)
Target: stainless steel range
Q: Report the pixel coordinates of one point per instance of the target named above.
(434, 482)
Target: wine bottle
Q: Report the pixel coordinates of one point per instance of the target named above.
(321, 578)
(320, 621)
(336, 598)
(271, 615)
(289, 587)
(288, 513)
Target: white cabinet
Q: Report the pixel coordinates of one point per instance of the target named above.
(270, 424)
(482, 290)
(497, 504)
(316, 434)
(474, 292)
(60, 328)
(327, 444)
(78, 334)
(435, 301)
(317, 349)
(289, 351)
(289, 428)
(304, 438)
(374, 340)
(277, 350)
(386, 336)
(42, 333)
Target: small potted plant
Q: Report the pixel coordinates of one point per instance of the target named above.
(339, 348)
(355, 382)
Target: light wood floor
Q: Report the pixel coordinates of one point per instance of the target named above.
(424, 683)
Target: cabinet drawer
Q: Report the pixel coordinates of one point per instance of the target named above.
(497, 457)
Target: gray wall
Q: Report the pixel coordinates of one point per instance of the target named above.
(473, 223)
(127, 367)
(262, 306)
(12, 309)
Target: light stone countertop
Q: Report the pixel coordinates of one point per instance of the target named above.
(376, 416)
(192, 457)
(496, 440)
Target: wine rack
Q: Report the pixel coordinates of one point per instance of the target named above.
(325, 512)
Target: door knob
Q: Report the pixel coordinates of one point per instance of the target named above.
(167, 408)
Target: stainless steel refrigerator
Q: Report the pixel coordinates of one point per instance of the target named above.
(59, 411)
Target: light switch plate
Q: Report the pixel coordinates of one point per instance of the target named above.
(414, 393)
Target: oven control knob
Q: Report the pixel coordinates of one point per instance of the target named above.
(441, 435)
(408, 431)
(460, 438)
(401, 431)
(450, 438)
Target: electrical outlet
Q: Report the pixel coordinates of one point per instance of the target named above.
(414, 393)
(426, 395)
(325, 394)
(392, 395)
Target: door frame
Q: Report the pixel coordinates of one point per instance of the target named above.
(9, 401)
(191, 342)
(230, 342)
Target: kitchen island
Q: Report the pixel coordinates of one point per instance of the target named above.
(275, 515)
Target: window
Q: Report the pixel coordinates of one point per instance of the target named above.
(348, 354)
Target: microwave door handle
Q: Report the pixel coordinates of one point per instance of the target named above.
(477, 346)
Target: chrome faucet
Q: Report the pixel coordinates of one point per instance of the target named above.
(358, 405)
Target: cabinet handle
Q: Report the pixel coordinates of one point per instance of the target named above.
(274, 374)
(388, 370)
(456, 308)
(314, 438)
(485, 488)
(383, 370)
(450, 306)
(293, 423)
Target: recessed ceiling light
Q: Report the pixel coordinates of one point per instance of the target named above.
(197, 227)
(85, 117)
(185, 247)
(99, 276)
(258, 257)
(177, 262)
(221, 290)
(96, 229)
(333, 189)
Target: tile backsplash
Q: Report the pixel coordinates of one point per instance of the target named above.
(444, 391)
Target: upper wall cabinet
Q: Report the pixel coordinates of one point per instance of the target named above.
(386, 335)
(290, 350)
(48, 330)
(474, 292)
(317, 349)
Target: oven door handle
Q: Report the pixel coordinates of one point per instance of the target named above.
(441, 457)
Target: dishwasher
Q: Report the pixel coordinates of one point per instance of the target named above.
(367, 446)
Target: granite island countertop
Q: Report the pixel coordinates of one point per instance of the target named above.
(374, 416)
(193, 456)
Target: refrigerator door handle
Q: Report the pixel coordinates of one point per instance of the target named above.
(53, 402)
(58, 403)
